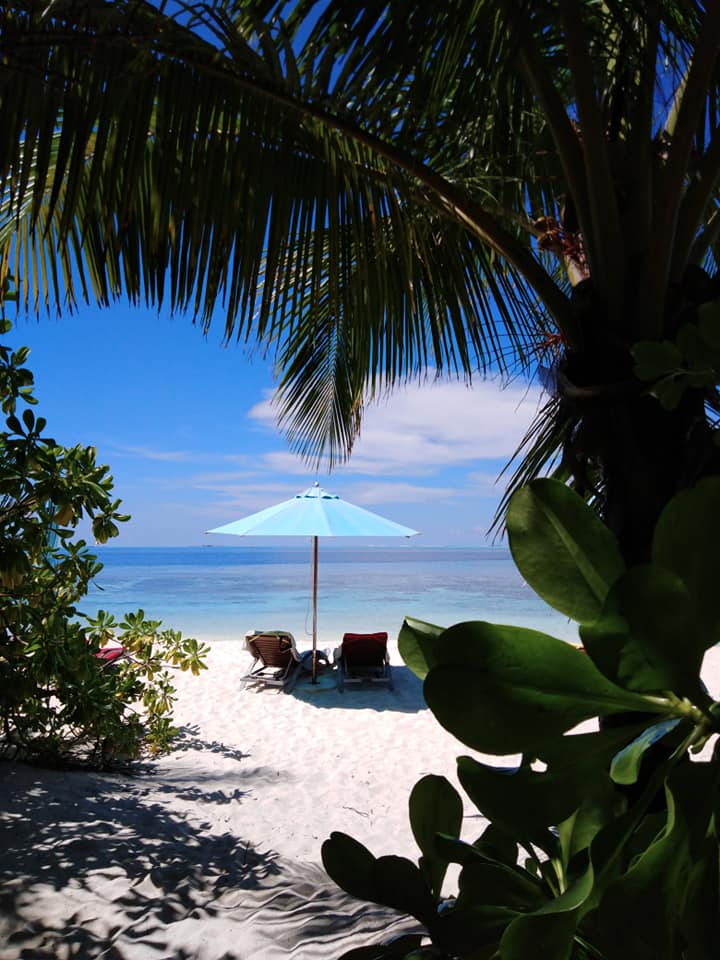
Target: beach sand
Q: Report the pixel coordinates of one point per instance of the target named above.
(214, 850)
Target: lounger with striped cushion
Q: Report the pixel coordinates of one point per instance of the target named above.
(275, 657)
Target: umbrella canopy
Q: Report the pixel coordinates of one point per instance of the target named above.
(315, 513)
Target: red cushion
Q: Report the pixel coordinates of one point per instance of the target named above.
(379, 637)
(110, 654)
(364, 649)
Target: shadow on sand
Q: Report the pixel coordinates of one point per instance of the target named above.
(94, 867)
(189, 739)
(406, 697)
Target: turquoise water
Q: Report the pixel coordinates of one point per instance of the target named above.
(221, 592)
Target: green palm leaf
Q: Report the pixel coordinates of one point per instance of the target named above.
(363, 190)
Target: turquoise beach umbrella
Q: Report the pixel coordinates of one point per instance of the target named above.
(315, 513)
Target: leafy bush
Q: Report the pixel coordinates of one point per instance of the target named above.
(608, 847)
(58, 700)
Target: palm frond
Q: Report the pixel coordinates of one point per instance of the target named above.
(539, 453)
(363, 189)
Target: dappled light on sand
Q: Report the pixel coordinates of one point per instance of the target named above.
(214, 850)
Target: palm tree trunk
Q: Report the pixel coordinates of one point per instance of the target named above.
(644, 454)
(647, 455)
(629, 450)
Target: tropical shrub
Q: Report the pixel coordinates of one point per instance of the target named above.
(601, 843)
(58, 701)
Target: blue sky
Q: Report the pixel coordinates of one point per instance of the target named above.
(187, 428)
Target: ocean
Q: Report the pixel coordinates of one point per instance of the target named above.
(214, 592)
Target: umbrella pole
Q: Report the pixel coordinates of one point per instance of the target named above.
(315, 587)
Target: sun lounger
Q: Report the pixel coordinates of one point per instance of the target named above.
(276, 660)
(363, 656)
(110, 655)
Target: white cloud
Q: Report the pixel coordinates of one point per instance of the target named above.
(145, 453)
(437, 445)
(236, 499)
(222, 477)
(240, 458)
(421, 428)
(285, 462)
(373, 493)
(479, 484)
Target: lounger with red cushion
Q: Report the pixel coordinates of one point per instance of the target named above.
(112, 655)
(363, 656)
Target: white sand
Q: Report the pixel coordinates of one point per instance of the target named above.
(214, 852)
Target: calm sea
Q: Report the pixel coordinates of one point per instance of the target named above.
(221, 592)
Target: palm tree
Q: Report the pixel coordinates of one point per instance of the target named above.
(373, 192)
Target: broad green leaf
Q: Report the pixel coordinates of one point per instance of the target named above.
(548, 932)
(471, 930)
(655, 359)
(709, 323)
(391, 881)
(463, 853)
(400, 884)
(547, 935)
(652, 895)
(685, 542)
(693, 347)
(499, 885)
(417, 643)
(435, 807)
(562, 548)
(670, 390)
(647, 638)
(399, 949)
(350, 865)
(493, 846)
(626, 764)
(702, 919)
(515, 799)
(524, 802)
(459, 851)
(497, 844)
(14, 424)
(577, 832)
(503, 689)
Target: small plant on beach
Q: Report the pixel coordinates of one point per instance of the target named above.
(602, 845)
(59, 702)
